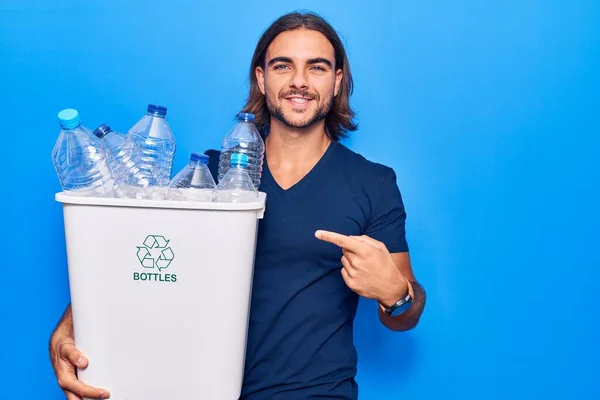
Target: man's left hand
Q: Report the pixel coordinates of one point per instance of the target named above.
(368, 267)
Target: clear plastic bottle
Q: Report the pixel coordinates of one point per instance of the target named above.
(151, 145)
(194, 182)
(80, 159)
(236, 186)
(243, 139)
(119, 160)
(113, 143)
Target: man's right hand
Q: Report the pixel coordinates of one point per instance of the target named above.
(66, 358)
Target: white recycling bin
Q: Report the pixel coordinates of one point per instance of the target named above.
(160, 293)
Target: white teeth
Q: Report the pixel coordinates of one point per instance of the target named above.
(298, 100)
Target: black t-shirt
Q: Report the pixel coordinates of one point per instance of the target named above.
(300, 338)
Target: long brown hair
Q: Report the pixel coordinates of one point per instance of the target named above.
(340, 119)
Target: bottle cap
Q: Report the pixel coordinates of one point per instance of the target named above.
(239, 159)
(248, 117)
(102, 130)
(156, 110)
(69, 118)
(202, 158)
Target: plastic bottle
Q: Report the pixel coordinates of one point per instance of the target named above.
(194, 182)
(119, 160)
(236, 186)
(151, 145)
(80, 159)
(113, 143)
(243, 139)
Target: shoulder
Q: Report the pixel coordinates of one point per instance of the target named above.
(361, 167)
(369, 183)
(374, 188)
(213, 162)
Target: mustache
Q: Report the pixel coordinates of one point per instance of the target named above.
(299, 93)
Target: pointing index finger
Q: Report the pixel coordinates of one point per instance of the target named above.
(343, 241)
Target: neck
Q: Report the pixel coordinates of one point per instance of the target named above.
(295, 145)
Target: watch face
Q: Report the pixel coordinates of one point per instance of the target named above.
(401, 309)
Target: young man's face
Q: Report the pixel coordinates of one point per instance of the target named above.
(299, 79)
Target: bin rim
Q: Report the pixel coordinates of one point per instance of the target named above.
(65, 198)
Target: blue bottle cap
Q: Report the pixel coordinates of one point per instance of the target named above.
(202, 158)
(248, 117)
(156, 110)
(239, 159)
(102, 130)
(69, 118)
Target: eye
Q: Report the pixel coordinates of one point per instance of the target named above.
(318, 68)
(281, 67)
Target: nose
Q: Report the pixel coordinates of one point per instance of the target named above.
(299, 79)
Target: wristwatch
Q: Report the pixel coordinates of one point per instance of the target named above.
(398, 307)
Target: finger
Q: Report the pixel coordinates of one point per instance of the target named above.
(356, 260)
(69, 352)
(80, 389)
(347, 266)
(346, 277)
(72, 396)
(368, 240)
(343, 241)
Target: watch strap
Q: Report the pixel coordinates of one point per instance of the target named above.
(399, 304)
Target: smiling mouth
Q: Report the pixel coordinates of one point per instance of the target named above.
(298, 100)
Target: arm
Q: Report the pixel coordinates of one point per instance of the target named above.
(409, 318)
(64, 326)
(65, 358)
(372, 272)
(377, 265)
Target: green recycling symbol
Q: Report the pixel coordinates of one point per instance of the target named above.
(155, 252)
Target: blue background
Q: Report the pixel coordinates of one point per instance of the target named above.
(487, 110)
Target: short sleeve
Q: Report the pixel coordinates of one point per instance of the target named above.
(213, 162)
(388, 217)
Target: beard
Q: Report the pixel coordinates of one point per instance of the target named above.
(276, 110)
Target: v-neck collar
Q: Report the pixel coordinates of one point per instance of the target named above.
(270, 180)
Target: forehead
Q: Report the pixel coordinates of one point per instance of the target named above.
(300, 44)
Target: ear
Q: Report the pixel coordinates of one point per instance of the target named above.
(338, 81)
(260, 78)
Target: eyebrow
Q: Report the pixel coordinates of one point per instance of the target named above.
(279, 59)
(318, 60)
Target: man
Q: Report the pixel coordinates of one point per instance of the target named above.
(333, 230)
